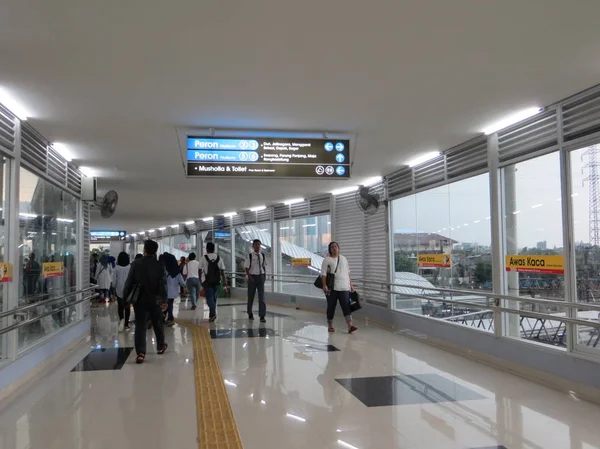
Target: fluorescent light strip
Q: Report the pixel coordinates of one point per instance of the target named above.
(65, 220)
(512, 119)
(297, 418)
(207, 219)
(228, 382)
(372, 181)
(189, 223)
(162, 229)
(423, 158)
(258, 208)
(174, 226)
(536, 206)
(230, 214)
(63, 150)
(150, 231)
(27, 215)
(12, 104)
(309, 225)
(293, 201)
(346, 445)
(345, 190)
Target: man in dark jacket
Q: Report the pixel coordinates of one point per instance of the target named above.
(149, 277)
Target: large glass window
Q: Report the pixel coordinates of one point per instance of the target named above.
(48, 250)
(3, 256)
(301, 240)
(533, 247)
(585, 193)
(222, 240)
(442, 239)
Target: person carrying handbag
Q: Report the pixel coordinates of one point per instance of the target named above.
(337, 285)
(145, 288)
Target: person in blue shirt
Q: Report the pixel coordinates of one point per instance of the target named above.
(174, 282)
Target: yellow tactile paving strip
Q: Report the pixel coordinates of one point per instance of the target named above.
(217, 428)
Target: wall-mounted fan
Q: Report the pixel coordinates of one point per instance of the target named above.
(367, 201)
(108, 204)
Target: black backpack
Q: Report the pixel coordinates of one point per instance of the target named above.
(263, 269)
(213, 273)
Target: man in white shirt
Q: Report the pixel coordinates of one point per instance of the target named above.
(212, 272)
(256, 271)
(192, 273)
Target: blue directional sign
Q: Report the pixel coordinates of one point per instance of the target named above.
(271, 157)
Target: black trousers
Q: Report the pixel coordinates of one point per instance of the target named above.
(344, 299)
(124, 310)
(148, 308)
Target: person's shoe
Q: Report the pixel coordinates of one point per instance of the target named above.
(251, 317)
(194, 307)
(121, 325)
(127, 327)
(212, 319)
(351, 329)
(140, 359)
(263, 319)
(163, 349)
(170, 323)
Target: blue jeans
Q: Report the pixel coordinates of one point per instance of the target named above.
(211, 299)
(193, 286)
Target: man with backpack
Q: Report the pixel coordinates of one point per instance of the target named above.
(212, 272)
(256, 270)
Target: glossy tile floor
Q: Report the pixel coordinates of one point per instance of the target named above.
(291, 384)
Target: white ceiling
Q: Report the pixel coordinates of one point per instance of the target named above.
(113, 80)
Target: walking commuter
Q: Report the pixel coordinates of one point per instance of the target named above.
(103, 276)
(337, 265)
(192, 273)
(212, 272)
(182, 264)
(174, 283)
(147, 274)
(119, 278)
(256, 272)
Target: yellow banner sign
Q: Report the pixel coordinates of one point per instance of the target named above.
(6, 272)
(536, 264)
(53, 269)
(301, 262)
(434, 260)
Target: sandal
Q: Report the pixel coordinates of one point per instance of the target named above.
(331, 329)
(163, 349)
(351, 329)
(140, 359)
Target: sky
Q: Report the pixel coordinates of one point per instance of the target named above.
(461, 210)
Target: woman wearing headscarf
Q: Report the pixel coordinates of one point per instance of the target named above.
(113, 263)
(174, 282)
(120, 276)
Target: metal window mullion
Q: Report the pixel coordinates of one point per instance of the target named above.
(570, 273)
(497, 227)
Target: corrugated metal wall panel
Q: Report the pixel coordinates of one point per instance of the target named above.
(7, 129)
(376, 250)
(532, 135)
(249, 217)
(400, 182)
(281, 212)
(73, 178)
(264, 215)
(57, 166)
(86, 245)
(237, 220)
(430, 172)
(34, 149)
(581, 116)
(299, 209)
(466, 158)
(348, 228)
(320, 205)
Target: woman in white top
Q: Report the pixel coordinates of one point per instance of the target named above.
(191, 272)
(338, 266)
(103, 276)
(119, 277)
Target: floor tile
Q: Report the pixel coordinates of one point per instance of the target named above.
(243, 333)
(316, 348)
(104, 359)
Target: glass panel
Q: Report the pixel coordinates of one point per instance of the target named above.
(302, 238)
(585, 192)
(534, 246)
(222, 241)
(442, 238)
(48, 250)
(183, 246)
(244, 236)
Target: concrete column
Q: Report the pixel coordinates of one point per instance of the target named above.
(511, 223)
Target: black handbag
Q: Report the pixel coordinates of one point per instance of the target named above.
(329, 279)
(134, 295)
(356, 302)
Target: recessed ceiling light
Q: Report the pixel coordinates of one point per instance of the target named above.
(423, 158)
(512, 119)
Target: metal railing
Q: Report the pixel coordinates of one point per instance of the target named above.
(22, 309)
(491, 304)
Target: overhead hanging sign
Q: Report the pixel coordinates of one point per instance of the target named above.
(96, 236)
(270, 157)
(535, 264)
(53, 269)
(6, 272)
(434, 260)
